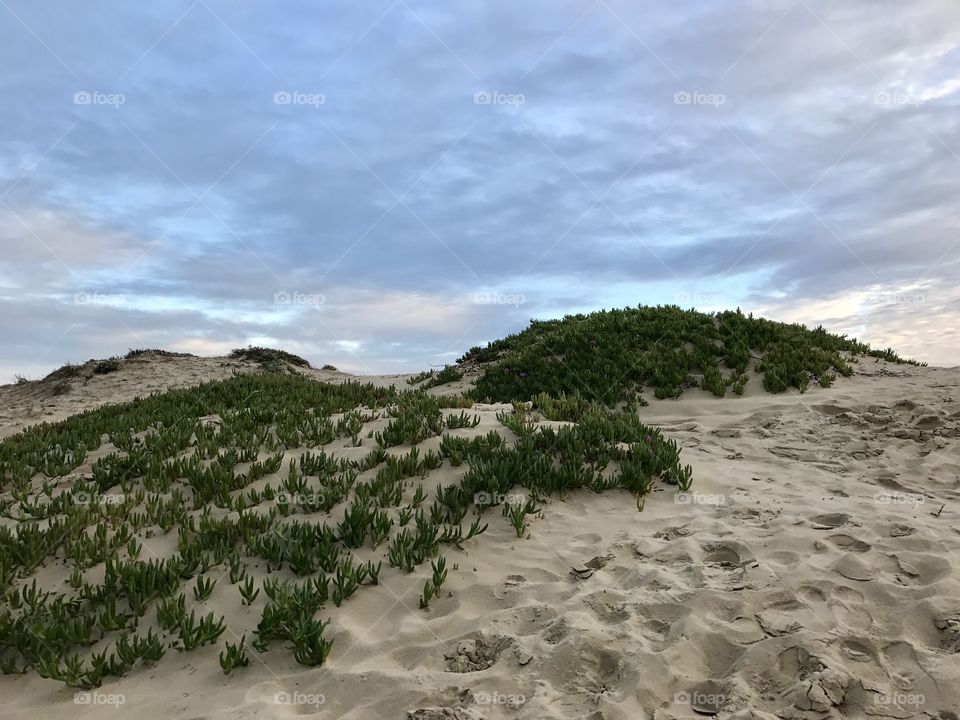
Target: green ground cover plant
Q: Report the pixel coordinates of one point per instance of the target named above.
(612, 356)
(139, 352)
(268, 358)
(246, 479)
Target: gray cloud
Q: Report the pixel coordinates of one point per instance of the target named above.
(807, 149)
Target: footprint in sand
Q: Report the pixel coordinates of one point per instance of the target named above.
(528, 619)
(798, 663)
(556, 631)
(609, 607)
(476, 652)
(581, 666)
(901, 530)
(849, 608)
(783, 558)
(921, 568)
(511, 590)
(909, 680)
(829, 521)
(724, 565)
(826, 606)
(858, 651)
(672, 533)
(784, 613)
(797, 454)
(659, 619)
(935, 623)
(849, 544)
(657, 633)
(851, 568)
(830, 409)
(796, 666)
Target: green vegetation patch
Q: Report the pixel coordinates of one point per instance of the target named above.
(268, 358)
(67, 372)
(610, 356)
(140, 352)
(433, 378)
(254, 489)
(103, 367)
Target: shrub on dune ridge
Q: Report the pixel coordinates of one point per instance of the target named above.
(139, 352)
(432, 378)
(267, 357)
(68, 371)
(611, 355)
(106, 366)
(449, 374)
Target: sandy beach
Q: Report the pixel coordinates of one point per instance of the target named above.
(811, 572)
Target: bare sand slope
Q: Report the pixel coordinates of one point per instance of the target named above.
(812, 573)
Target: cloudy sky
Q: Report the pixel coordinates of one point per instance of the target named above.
(383, 184)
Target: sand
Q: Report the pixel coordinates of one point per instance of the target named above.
(811, 573)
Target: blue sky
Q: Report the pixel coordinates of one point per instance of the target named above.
(382, 185)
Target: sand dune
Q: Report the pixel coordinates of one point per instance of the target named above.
(811, 573)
